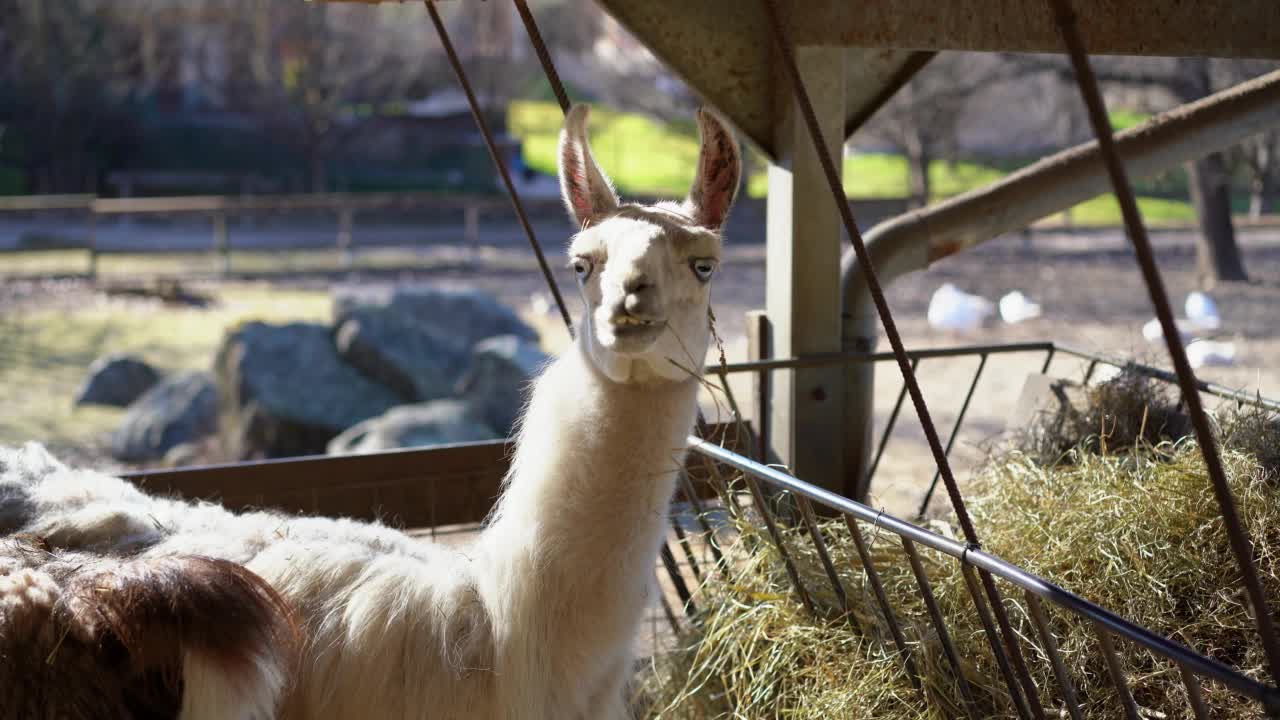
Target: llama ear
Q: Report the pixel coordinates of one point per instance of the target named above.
(587, 193)
(719, 167)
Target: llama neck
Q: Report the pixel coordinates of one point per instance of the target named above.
(593, 472)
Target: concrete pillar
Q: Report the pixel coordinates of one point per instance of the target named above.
(803, 279)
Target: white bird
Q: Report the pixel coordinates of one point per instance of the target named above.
(1202, 311)
(1016, 307)
(1210, 353)
(1153, 333)
(953, 309)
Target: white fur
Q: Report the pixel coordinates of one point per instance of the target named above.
(536, 619)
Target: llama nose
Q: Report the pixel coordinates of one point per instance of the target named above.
(635, 304)
(636, 283)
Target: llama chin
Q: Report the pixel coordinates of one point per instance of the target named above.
(198, 612)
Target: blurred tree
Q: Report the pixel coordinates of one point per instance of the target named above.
(311, 72)
(922, 119)
(70, 70)
(1159, 83)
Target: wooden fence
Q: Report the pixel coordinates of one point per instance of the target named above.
(219, 208)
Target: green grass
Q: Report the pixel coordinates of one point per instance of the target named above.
(249, 262)
(1105, 211)
(44, 352)
(641, 155)
(645, 156)
(1125, 119)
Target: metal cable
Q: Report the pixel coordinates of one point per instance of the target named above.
(1241, 546)
(544, 57)
(497, 160)
(788, 63)
(792, 72)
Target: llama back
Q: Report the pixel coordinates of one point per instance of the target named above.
(365, 605)
(85, 636)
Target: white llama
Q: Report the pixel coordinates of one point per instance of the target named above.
(109, 596)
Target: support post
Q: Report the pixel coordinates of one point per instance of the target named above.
(221, 243)
(346, 217)
(759, 348)
(803, 280)
(471, 229)
(93, 245)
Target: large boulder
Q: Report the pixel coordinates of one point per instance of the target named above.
(116, 380)
(466, 314)
(284, 391)
(433, 423)
(495, 386)
(417, 361)
(180, 409)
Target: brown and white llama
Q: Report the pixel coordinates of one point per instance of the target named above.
(115, 604)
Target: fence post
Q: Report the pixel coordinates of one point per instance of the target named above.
(346, 217)
(93, 243)
(221, 244)
(471, 229)
(758, 348)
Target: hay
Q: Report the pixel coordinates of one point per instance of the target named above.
(1117, 415)
(1137, 532)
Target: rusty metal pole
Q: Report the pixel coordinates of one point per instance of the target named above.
(913, 241)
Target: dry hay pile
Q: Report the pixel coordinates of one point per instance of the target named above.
(1136, 530)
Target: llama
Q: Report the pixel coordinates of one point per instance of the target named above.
(185, 610)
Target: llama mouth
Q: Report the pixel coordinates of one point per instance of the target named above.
(628, 326)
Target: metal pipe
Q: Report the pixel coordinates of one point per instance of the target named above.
(955, 431)
(939, 624)
(677, 580)
(498, 163)
(1117, 673)
(762, 505)
(1237, 536)
(997, 648)
(820, 545)
(1195, 698)
(912, 241)
(873, 577)
(1195, 662)
(786, 62)
(846, 358)
(888, 426)
(1055, 656)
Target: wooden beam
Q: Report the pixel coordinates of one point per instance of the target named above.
(803, 281)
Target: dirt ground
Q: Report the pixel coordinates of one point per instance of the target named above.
(1093, 298)
(1088, 285)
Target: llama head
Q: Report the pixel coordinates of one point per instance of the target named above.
(645, 270)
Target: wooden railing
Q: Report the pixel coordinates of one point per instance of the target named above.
(219, 208)
(413, 488)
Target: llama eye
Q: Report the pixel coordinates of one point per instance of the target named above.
(581, 267)
(703, 268)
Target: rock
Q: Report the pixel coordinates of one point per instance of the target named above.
(416, 361)
(465, 314)
(284, 391)
(495, 386)
(433, 423)
(116, 380)
(185, 454)
(182, 408)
